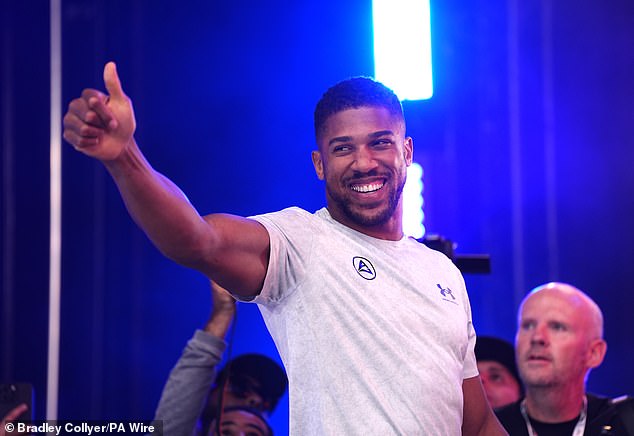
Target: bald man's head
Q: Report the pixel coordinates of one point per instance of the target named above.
(575, 298)
(559, 337)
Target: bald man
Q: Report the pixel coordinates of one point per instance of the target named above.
(559, 340)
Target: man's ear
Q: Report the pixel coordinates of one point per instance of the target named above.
(408, 150)
(318, 164)
(596, 352)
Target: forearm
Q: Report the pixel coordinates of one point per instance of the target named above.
(219, 323)
(160, 208)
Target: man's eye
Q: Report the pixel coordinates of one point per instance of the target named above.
(557, 326)
(342, 149)
(382, 143)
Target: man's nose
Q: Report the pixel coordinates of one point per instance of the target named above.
(539, 335)
(364, 160)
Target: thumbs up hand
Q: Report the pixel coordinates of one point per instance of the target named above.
(101, 125)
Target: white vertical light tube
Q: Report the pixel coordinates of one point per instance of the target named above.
(402, 47)
(55, 246)
(413, 215)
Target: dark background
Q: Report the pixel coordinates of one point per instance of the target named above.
(527, 147)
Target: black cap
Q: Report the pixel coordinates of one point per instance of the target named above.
(270, 377)
(497, 350)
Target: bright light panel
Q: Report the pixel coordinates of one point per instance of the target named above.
(402, 47)
(413, 216)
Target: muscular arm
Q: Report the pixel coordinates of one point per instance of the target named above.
(478, 417)
(230, 249)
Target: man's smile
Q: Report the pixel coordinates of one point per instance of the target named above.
(367, 187)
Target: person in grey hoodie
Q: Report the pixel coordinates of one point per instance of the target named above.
(195, 393)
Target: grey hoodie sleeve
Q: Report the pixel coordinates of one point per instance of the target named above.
(189, 383)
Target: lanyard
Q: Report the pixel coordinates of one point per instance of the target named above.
(579, 427)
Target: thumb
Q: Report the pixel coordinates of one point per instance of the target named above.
(113, 84)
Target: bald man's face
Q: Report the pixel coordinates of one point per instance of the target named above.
(556, 339)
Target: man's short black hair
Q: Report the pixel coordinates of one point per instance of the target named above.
(354, 93)
(498, 350)
(256, 372)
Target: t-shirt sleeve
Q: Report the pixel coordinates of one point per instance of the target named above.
(470, 364)
(291, 232)
(470, 368)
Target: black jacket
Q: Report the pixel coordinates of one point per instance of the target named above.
(603, 413)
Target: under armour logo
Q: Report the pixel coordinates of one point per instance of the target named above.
(364, 267)
(445, 291)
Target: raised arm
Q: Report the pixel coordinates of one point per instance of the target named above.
(478, 417)
(229, 249)
(190, 381)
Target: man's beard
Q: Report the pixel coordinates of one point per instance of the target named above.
(380, 217)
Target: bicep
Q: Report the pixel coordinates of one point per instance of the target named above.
(239, 257)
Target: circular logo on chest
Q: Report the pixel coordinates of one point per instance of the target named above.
(364, 267)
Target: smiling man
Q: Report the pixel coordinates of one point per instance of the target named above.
(374, 328)
(363, 155)
(559, 340)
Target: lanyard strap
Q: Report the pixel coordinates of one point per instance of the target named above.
(579, 427)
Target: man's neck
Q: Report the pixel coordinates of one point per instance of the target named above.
(390, 231)
(553, 405)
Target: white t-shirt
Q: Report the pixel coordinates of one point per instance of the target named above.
(376, 336)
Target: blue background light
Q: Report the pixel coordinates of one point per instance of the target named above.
(402, 47)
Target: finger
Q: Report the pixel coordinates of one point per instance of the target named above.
(101, 115)
(93, 108)
(73, 123)
(113, 84)
(80, 142)
(89, 93)
(78, 110)
(15, 412)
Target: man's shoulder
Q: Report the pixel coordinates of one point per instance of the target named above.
(617, 413)
(286, 212)
(290, 216)
(600, 403)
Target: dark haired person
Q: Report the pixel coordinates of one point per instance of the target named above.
(374, 328)
(193, 393)
(498, 371)
(241, 421)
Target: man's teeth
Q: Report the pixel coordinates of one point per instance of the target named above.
(367, 188)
